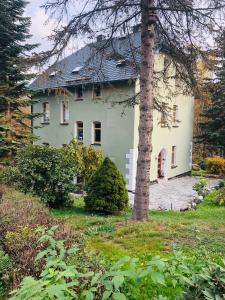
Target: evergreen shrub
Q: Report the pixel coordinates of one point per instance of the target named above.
(106, 190)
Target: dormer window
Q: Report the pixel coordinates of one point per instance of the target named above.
(76, 70)
(53, 74)
(121, 63)
(97, 90)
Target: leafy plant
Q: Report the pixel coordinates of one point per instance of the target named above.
(18, 221)
(208, 284)
(44, 171)
(201, 187)
(106, 190)
(5, 265)
(63, 276)
(219, 197)
(87, 158)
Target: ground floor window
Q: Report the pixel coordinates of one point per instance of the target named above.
(79, 131)
(173, 158)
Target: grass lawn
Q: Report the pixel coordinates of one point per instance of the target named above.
(109, 238)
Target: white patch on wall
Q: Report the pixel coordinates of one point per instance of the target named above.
(191, 146)
(131, 167)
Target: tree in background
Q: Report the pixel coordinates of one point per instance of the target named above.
(213, 127)
(15, 124)
(180, 26)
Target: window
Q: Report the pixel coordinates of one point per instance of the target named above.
(97, 90)
(65, 112)
(79, 92)
(175, 115)
(97, 132)
(79, 131)
(76, 70)
(46, 112)
(173, 158)
(163, 120)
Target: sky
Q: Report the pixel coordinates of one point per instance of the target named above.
(40, 28)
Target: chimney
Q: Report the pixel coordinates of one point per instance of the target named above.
(136, 28)
(100, 37)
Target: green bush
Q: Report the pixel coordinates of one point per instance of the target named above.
(44, 171)
(219, 197)
(5, 266)
(106, 190)
(208, 284)
(201, 187)
(88, 159)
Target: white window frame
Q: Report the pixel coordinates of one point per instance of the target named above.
(76, 127)
(46, 112)
(64, 113)
(93, 132)
(175, 115)
(174, 156)
(163, 118)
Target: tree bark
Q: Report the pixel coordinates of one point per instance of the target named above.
(142, 193)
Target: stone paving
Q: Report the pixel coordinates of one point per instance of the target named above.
(173, 194)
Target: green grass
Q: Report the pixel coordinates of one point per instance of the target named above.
(204, 173)
(109, 238)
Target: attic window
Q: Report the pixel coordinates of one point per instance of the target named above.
(53, 74)
(121, 63)
(76, 70)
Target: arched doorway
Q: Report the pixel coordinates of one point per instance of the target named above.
(162, 169)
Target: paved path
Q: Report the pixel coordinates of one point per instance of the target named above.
(175, 193)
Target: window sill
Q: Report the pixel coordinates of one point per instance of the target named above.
(45, 123)
(96, 144)
(175, 126)
(164, 126)
(79, 99)
(97, 97)
(64, 123)
(174, 166)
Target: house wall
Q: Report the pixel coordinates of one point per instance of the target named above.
(117, 124)
(120, 126)
(163, 138)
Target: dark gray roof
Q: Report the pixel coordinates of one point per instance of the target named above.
(99, 62)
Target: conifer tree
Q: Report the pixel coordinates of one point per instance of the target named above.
(213, 129)
(15, 129)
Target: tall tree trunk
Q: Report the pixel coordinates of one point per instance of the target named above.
(141, 200)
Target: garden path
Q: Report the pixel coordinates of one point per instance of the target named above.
(176, 193)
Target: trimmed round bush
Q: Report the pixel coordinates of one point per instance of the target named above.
(106, 190)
